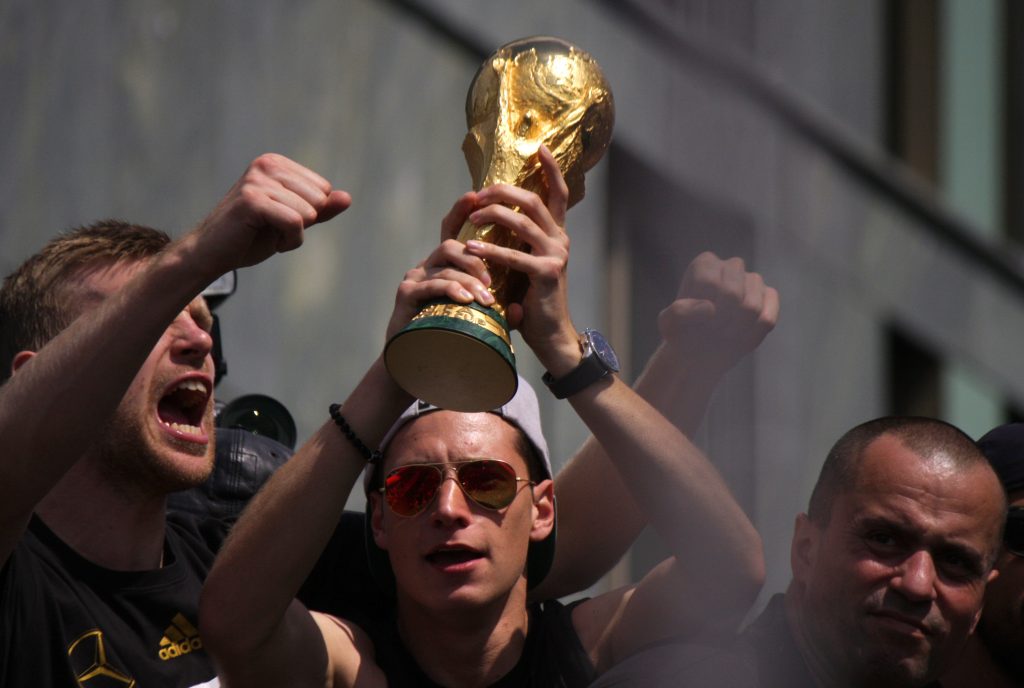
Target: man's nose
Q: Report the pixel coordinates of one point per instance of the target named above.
(452, 504)
(916, 577)
(189, 339)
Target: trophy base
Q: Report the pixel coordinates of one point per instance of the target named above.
(456, 357)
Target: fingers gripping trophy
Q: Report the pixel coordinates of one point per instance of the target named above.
(533, 91)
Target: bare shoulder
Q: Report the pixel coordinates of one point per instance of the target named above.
(350, 654)
(595, 621)
(619, 623)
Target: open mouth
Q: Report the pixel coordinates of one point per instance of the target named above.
(183, 406)
(452, 556)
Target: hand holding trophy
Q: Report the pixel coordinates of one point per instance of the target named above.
(532, 91)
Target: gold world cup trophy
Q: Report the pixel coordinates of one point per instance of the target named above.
(532, 91)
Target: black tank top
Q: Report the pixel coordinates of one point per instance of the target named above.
(552, 656)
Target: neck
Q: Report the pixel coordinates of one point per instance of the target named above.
(822, 670)
(117, 529)
(977, 667)
(467, 647)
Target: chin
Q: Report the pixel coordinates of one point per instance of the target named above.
(908, 673)
(454, 597)
(183, 468)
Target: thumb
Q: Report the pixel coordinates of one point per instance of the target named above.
(337, 202)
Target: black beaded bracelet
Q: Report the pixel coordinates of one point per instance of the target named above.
(347, 431)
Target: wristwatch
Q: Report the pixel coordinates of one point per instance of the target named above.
(599, 360)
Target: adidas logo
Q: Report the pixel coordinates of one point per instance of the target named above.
(180, 638)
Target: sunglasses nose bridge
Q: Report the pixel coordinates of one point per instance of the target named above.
(451, 497)
(486, 483)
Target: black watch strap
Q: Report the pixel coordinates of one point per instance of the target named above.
(599, 360)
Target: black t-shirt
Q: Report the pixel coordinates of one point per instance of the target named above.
(68, 622)
(62, 616)
(552, 655)
(764, 655)
(341, 583)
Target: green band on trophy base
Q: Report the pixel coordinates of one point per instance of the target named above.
(455, 356)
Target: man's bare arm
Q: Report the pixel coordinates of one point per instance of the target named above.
(257, 634)
(60, 394)
(676, 488)
(721, 313)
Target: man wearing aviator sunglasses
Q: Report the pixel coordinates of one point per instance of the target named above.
(489, 483)
(994, 655)
(457, 527)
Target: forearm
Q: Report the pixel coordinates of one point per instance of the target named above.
(597, 522)
(680, 493)
(592, 536)
(280, 536)
(679, 389)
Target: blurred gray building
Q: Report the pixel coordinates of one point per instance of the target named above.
(863, 155)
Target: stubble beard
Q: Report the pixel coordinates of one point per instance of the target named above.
(137, 461)
(856, 656)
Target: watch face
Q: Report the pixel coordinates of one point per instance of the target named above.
(603, 350)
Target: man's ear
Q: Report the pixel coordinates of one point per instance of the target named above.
(992, 575)
(377, 519)
(804, 550)
(20, 359)
(543, 510)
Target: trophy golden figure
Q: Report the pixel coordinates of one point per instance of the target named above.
(533, 91)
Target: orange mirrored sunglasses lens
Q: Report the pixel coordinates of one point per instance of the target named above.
(489, 483)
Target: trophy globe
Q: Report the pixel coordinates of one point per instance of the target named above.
(533, 91)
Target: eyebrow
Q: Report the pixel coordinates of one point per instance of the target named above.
(975, 560)
(969, 554)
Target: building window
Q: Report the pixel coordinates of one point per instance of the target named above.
(954, 98)
(922, 383)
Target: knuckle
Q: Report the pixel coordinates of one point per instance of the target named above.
(552, 269)
(450, 274)
(522, 224)
(707, 272)
(736, 263)
(533, 202)
(250, 192)
(704, 281)
(406, 290)
(452, 246)
(266, 162)
(705, 257)
(671, 312)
